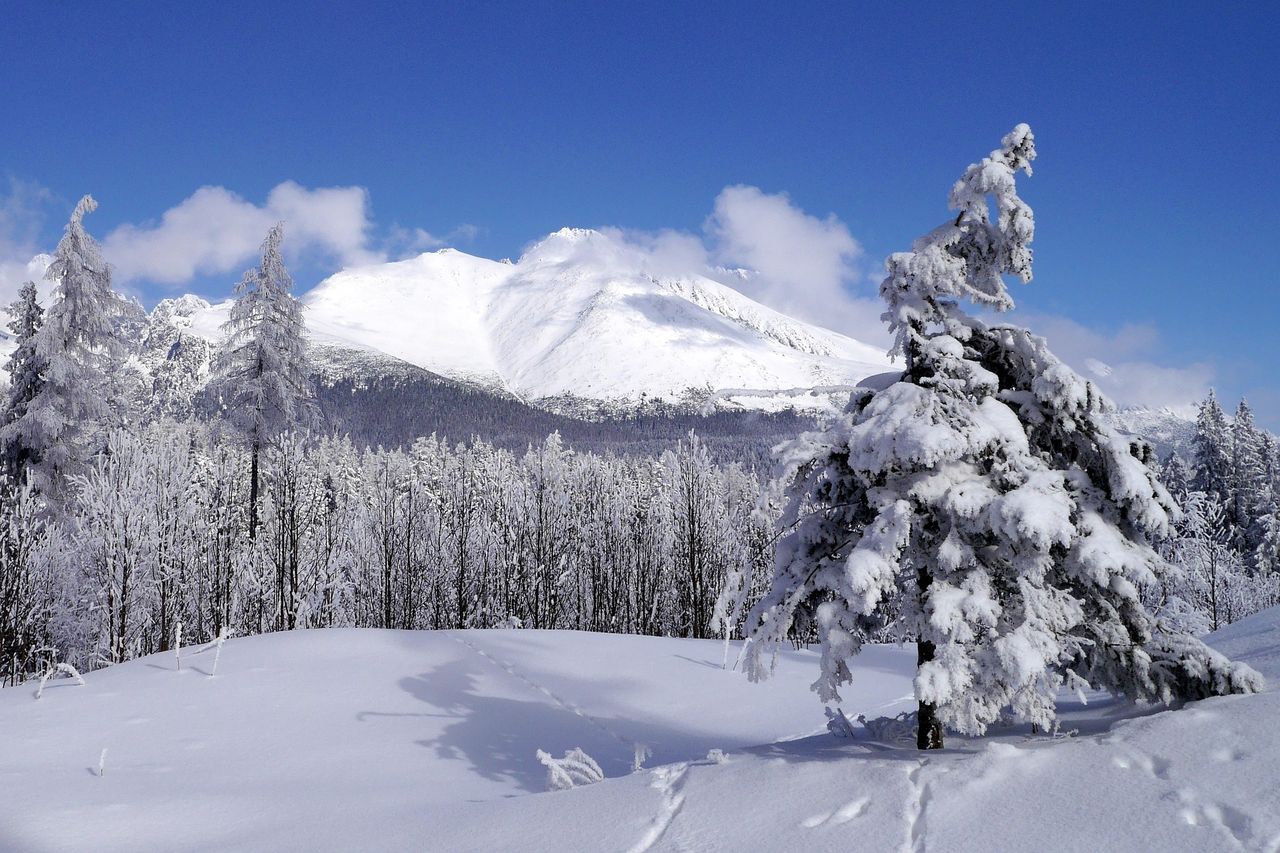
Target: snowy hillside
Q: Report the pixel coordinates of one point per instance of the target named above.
(581, 316)
(1168, 430)
(361, 739)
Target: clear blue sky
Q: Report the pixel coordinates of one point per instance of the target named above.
(1156, 192)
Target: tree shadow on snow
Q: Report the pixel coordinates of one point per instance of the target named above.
(713, 664)
(499, 736)
(827, 747)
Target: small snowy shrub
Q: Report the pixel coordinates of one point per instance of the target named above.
(837, 723)
(576, 768)
(217, 647)
(899, 730)
(642, 753)
(66, 668)
(717, 756)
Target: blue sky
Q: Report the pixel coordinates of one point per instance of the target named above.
(488, 125)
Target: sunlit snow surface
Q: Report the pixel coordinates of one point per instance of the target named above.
(388, 740)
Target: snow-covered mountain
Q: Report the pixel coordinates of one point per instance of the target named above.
(582, 323)
(580, 317)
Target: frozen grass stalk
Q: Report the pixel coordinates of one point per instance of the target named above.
(223, 633)
(65, 668)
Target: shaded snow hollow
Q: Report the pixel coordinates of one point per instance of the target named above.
(349, 739)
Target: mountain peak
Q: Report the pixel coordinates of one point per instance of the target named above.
(580, 315)
(567, 243)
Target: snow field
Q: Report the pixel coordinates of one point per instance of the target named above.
(369, 738)
(345, 739)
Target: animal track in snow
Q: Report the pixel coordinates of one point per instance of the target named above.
(844, 814)
(568, 706)
(917, 806)
(1196, 809)
(669, 781)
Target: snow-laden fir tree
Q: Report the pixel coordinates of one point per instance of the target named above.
(77, 350)
(24, 368)
(1266, 558)
(1176, 476)
(263, 380)
(1248, 473)
(1213, 450)
(980, 505)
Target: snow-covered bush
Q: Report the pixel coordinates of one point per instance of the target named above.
(837, 723)
(59, 668)
(574, 769)
(899, 730)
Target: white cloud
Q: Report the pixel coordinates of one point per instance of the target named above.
(22, 215)
(802, 265)
(407, 242)
(1123, 363)
(667, 252)
(766, 247)
(788, 247)
(215, 231)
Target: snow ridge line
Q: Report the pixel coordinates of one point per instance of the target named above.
(566, 705)
(669, 780)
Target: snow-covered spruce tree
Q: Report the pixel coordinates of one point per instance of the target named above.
(76, 349)
(24, 369)
(1248, 473)
(1213, 450)
(263, 380)
(981, 503)
(1266, 558)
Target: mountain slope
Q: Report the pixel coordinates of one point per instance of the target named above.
(580, 315)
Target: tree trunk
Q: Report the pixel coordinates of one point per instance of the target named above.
(253, 490)
(929, 730)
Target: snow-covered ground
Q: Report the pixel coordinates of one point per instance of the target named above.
(385, 740)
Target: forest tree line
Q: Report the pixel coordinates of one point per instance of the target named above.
(124, 526)
(203, 508)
